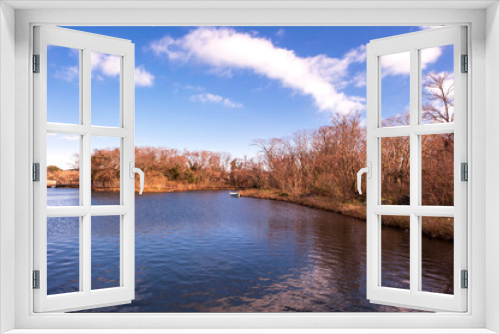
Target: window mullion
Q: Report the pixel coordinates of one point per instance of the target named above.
(85, 254)
(432, 129)
(414, 172)
(397, 131)
(86, 142)
(85, 175)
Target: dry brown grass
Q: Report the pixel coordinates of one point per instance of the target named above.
(172, 188)
(181, 187)
(433, 227)
(312, 201)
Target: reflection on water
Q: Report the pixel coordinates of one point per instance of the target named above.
(208, 252)
(63, 262)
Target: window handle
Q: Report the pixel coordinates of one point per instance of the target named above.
(368, 171)
(134, 170)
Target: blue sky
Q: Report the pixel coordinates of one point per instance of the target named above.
(219, 88)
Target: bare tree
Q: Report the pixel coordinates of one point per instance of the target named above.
(439, 92)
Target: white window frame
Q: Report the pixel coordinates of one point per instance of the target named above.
(414, 296)
(85, 297)
(483, 311)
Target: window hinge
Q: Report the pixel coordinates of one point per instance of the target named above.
(36, 63)
(36, 279)
(465, 279)
(464, 171)
(36, 172)
(465, 64)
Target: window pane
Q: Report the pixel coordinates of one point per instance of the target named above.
(395, 89)
(395, 170)
(63, 169)
(105, 252)
(63, 255)
(106, 98)
(437, 84)
(437, 254)
(63, 85)
(438, 169)
(395, 252)
(105, 171)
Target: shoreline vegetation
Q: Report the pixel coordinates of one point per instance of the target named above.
(432, 227)
(315, 168)
(353, 210)
(441, 228)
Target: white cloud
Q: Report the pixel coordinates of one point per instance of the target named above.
(143, 78)
(207, 98)
(103, 65)
(231, 104)
(212, 98)
(72, 138)
(224, 49)
(192, 87)
(178, 86)
(359, 98)
(399, 63)
(359, 80)
(429, 56)
(68, 73)
(396, 64)
(280, 33)
(108, 65)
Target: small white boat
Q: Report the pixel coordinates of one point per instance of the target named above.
(234, 194)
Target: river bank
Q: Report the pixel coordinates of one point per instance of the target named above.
(431, 227)
(180, 188)
(441, 228)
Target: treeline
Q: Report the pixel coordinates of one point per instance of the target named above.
(165, 170)
(318, 162)
(170, 169)
(325, 162)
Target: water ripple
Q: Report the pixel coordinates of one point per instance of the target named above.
(208, 252)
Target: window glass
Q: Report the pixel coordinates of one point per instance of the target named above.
(395, 89)
(105, 252)
(437, 84)
(438, 169)
(63, 169)
(106, 96)
(63, 255)
(105, 170)
(437, 238)
(63, 85)
(395, 252)
(395, 180)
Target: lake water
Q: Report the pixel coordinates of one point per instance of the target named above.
(205, 251)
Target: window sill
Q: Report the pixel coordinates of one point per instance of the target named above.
(252, 331)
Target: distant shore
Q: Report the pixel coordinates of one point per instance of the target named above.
(433, 227)
(312, 201)
(153, 190)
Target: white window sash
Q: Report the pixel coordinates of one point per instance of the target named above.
(85, 298)
(414, 297)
